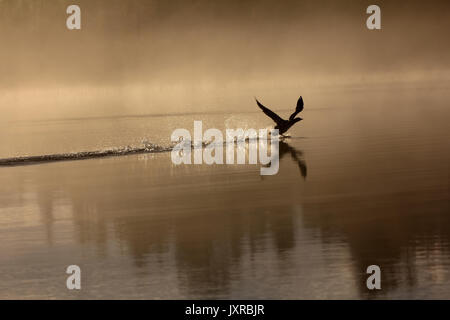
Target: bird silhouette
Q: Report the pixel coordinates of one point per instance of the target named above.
(283, 125)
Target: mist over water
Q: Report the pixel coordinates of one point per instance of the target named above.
(159, 57)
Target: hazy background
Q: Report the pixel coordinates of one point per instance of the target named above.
(158, 57)
(363, 179)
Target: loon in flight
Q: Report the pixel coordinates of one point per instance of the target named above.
(283, 125)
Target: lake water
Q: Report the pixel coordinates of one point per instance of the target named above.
(361, 182)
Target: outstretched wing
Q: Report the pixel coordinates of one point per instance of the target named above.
(270, 113)
(298, 109)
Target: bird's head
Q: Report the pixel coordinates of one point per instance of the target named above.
(298, 119)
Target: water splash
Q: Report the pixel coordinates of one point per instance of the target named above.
(146, 147)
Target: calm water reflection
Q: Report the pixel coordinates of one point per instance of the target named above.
(140, 227)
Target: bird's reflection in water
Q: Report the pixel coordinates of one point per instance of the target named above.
(296, 156)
